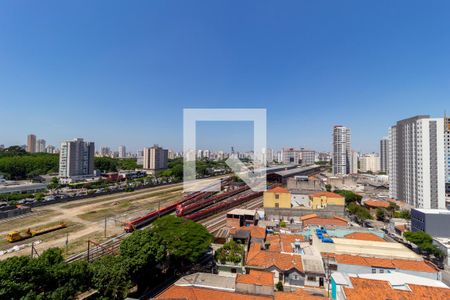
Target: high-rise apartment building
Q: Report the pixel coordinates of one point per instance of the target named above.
(155, 158)
(122, 151)
(50, 149)
(31, 143)
(369, 163)
(40, 145)
(447, 152)
(342, 154)
(76, 158)
(417, 162)
(384, 155)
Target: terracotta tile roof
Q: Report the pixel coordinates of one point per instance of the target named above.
(401, 264)
(299, 294)
(335, 221)
(255, 231)
(376, 203)
(310, 216)
(401, 227)
(283, 242)
(278, 189)
(326, 194)
(256, 277)
(365, 236)
(380, 290)
(266, 259)
(195, 293)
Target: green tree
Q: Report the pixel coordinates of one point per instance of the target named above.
(184, 241)
(350, 197)
(328, 187)
(380, 214)
(141, 252)
(110, 277)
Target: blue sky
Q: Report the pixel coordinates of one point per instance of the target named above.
(120, 72)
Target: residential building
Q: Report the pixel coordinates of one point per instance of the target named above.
(323, 199)
(277, 197)
(369, 163)
(443, 244)
(50, 149)
(354, 163)
(122, 151)
(417, 162)
(392, 285)
(324, 156)
(308, 157)
(291, 156)
(447, 153)
(76, 158)
(316, 220)
(384, 155)
(155, 158)
(105, 151)
(31, 143)
(435, 222)
(40, 145)
(342, 155)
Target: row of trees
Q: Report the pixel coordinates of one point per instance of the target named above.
(146, 257)
(424, 242)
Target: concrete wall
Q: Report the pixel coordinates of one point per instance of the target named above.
(356, 269)
(328, 212)
(254, 289)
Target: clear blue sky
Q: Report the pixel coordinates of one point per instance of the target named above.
(120, 72)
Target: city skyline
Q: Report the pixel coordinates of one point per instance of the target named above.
(306, 63)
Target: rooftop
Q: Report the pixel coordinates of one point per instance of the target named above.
(256, 277)
(207, 280)
(433, 211)
(253, 231)
(266, 259)
(365, 236)
(402, 264)
(195, 293)
(278, 189)
(316, 220)
(326, 194)
(363, 289)
(242, 212)
(376, 203)
(283, 242)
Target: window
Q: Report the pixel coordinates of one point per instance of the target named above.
(374, 270)
(233, 270)
(277, 205)
(381, 271)
(311, 278)
(277, 196)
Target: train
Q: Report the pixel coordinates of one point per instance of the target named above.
(15, 236)
(220, 206)
(186, 208)
(190, 198)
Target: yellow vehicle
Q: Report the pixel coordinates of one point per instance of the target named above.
(15, 236)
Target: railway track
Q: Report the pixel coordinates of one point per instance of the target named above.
(111, 246)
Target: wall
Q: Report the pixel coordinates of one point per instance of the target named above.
(14, 212)
(328, 212)
(323, 201)
(283, 201)
(254, 289)
(356, 269)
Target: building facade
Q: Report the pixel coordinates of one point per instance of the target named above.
(417, 162)
(122, 151)
(369, 163)
(384, 155)
(31, 143)
(342, 154)
(76, 158)
(308, 157)
(40, 145)
(155, 158)
(277, 197)
(447, 153)
(291, 156)
(435, 222)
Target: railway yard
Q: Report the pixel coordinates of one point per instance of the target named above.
(96, 226)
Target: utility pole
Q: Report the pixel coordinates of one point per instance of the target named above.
(67, 243)
(105, 225)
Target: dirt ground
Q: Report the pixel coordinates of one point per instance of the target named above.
(85, 219)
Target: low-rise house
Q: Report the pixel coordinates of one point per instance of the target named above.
(375, 203)
(320, 200)
(255, 282)
(357, 264)
(364, 236)
(395, 286)
(397, 226)
(277, 197)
